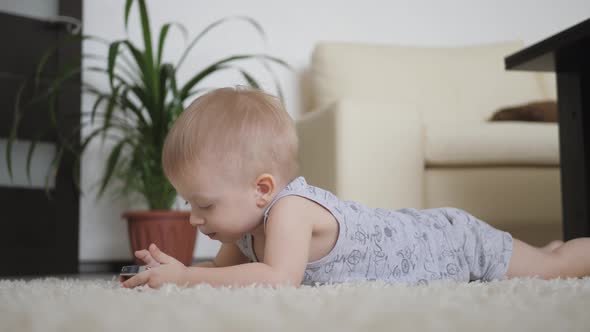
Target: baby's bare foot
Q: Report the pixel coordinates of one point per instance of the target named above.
(552, 246)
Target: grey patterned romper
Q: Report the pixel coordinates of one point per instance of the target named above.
(406, 245)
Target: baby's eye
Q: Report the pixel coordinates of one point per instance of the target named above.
(205, 207)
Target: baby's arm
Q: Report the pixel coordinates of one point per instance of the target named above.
(229, 254)
(286, 252)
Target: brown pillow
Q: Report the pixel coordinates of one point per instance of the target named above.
(539, 111)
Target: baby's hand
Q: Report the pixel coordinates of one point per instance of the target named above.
(167, 270)
(146, 257)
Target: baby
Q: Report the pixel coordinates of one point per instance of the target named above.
(232, 155)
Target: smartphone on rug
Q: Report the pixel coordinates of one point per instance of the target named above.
(129, 271)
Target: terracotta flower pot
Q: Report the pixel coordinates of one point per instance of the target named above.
(169, 230)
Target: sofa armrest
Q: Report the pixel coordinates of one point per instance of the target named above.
(365, 151)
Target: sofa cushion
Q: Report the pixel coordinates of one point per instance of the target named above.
(504, 143)
(467, 83)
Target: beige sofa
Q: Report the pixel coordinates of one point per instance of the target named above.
(399, 126)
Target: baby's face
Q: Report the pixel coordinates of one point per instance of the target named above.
(221, 209)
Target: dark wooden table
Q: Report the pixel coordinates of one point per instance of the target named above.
(567, 53)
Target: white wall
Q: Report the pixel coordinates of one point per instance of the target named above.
(293, 28)
(32, 8)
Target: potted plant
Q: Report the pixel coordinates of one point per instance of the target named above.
(143, 100)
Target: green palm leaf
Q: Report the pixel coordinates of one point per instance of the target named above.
(13, 130)
(215, 24)
(111, 164)
(219, 65)
(30, 154)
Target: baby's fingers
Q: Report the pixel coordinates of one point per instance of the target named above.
(137, 280)
(145, 256)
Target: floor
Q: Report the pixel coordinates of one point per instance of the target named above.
(95, 305)
(79, 276)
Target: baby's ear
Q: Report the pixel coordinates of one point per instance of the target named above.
(265, 187)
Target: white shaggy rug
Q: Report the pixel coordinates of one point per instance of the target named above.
(97, 305)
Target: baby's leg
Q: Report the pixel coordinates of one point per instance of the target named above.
(570, 259)
(552, 246)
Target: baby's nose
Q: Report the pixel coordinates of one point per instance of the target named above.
(196, 221)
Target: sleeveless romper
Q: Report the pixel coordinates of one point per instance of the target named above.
(407, 245)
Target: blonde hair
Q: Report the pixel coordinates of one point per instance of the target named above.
(244, 131)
